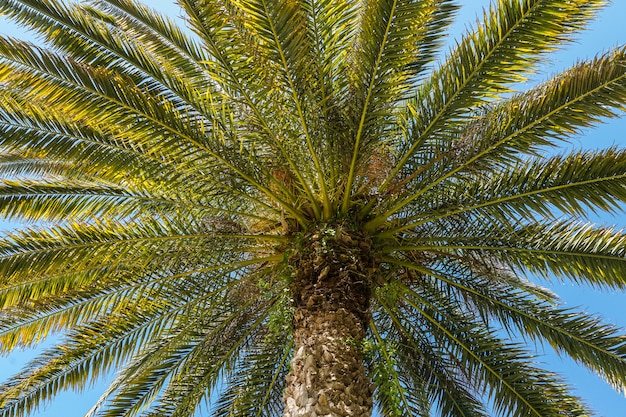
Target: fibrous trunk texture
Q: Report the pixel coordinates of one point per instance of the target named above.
(331, 287)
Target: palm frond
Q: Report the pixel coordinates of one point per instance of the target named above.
(257, 387)
(555, 110)
(102, 344)
(253, 86)
(504, 46)
(194, 368)
(501, 370)
(425, 365)
(539, 187)
(389, 57)
(565, 249)
(72, 366)
(520, 312)
(391, 386)
(89, 36)
(575, 99)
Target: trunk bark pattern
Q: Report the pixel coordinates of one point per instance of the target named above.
(331, 288)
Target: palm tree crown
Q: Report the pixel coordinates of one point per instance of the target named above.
(295, 209)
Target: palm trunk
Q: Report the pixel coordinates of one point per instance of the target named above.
(331, 294)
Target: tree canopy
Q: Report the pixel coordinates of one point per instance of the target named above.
(295, 208)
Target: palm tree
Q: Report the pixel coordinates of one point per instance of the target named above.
(295, 209)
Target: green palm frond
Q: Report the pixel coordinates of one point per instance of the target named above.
(256, 388)
(146, 321)
(554, 110)
(65, 366)
(501, 369)
(594, 255)
(425, 366)
(255, 87)
(93, 37)
(572, 184)
(13, 165)
(511, 37)
(281, 27)
(389, 43)
(191, 358)
(58, 201)
(30, 131)
(579, 335)
(394, 399)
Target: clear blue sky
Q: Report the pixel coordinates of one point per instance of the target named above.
(609, 30)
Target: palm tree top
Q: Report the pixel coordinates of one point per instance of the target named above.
(304, 207)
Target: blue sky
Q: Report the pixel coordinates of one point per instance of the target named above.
(607, 31)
